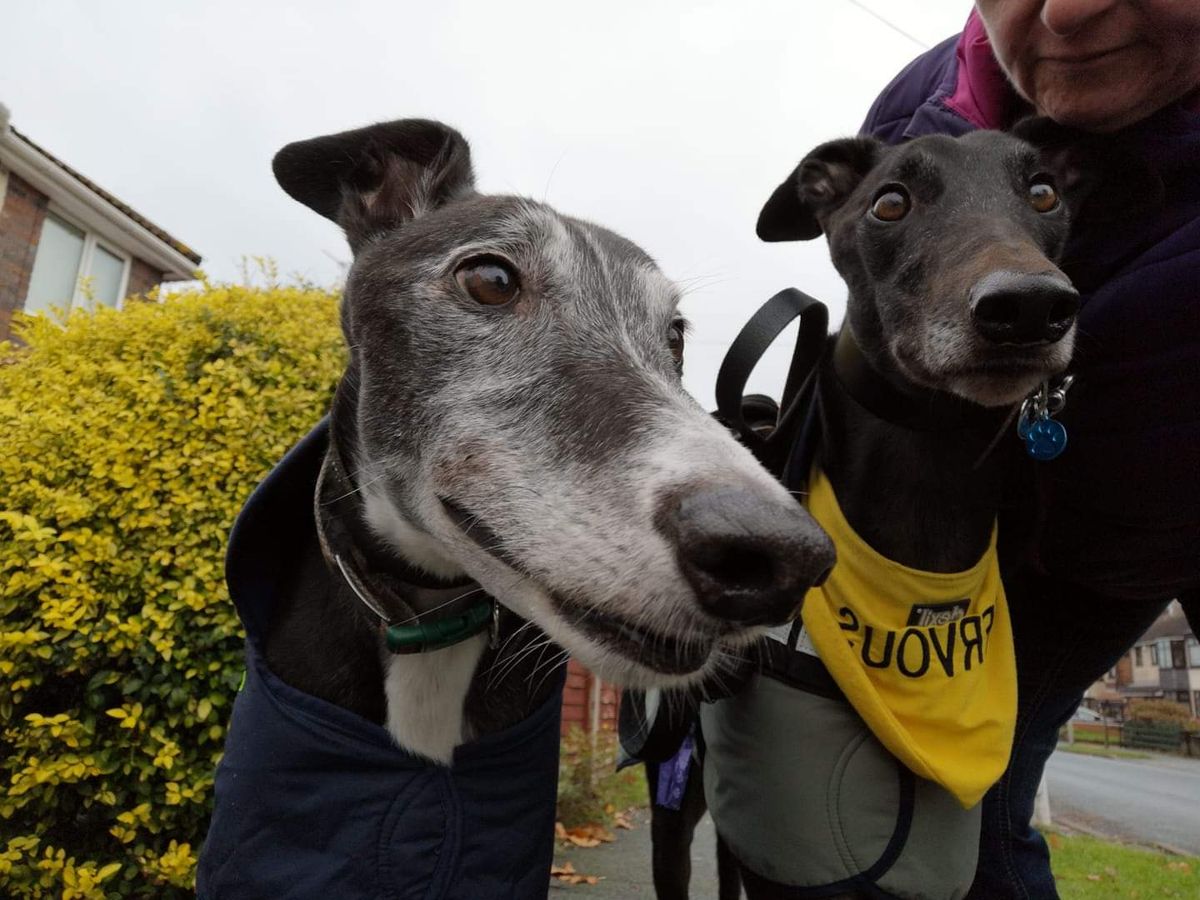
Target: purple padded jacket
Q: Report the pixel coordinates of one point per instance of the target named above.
(1119, 511)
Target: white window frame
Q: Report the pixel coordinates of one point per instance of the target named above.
(90, 241)
(1164, 653)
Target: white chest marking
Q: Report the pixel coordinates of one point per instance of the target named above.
(425, 696)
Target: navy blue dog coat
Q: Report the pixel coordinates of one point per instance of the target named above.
(313, 801)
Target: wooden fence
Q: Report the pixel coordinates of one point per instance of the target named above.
(1164, 737)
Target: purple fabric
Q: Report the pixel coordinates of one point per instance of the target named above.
(982, 94)
(673, 776)
(1119, 512)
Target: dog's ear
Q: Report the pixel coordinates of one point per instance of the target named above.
(818, 186)
(374, 179)
(1100, 179)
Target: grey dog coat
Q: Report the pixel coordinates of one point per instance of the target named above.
(313, 801)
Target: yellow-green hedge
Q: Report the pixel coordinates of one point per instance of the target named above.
(128, 442)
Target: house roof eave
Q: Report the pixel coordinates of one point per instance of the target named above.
(95, 208)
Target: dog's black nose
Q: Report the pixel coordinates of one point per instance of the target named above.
(1019, 308)
(749, 558)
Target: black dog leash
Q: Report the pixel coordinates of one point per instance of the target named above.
(765, 427)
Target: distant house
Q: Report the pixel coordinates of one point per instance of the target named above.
(1163, 664)
(64, 239)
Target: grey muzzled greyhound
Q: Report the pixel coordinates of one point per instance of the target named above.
(512, 423)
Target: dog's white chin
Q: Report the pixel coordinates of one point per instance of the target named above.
(628, 672)
(991, 391)
(622, 671)
(997, 389)
(981, 374)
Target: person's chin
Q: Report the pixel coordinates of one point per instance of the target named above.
(1099, 111)
(1098, 96)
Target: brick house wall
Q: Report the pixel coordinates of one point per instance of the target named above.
(21, 217)
(22, 212)
(142, 277)
(1124, 670)
(576, 707)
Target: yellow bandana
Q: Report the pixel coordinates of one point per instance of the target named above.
(926, 658)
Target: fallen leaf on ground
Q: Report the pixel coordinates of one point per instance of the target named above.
(1179, 866)
(584, 835)
(567, 875)
(599, 832)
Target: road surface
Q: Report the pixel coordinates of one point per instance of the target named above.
(1147, 801)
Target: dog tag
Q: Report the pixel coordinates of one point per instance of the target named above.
(1045, 439)
(1023, 426)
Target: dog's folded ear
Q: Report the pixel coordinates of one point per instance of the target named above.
(818, 186)
(374, 179)
(1100, 177)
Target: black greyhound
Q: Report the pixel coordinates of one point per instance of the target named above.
(956, 312)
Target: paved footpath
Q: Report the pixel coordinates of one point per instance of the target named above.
(1147, 801)
(1144, 801)
(625, 864)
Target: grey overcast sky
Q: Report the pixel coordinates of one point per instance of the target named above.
(668, 121)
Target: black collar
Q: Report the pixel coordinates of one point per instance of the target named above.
(417, 611)
(913, 408)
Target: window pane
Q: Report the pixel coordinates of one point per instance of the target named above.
(1164, 654)
(56, 266)
(106, 273)
(1178, 659)
(1193, 649)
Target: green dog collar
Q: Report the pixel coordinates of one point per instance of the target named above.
(426, 636)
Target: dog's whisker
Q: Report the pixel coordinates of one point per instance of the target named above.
(354, 490)
(521, 655)
(500, 657)
(428, 612)
(518, 655)
(557, 660)
(539, 665)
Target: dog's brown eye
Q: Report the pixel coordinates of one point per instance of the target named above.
(675, 342)
(892, 205)
(1043, 197)
(488, 280)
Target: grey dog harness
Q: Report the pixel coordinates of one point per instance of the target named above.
(809, 801)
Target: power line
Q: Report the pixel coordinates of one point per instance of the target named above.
(892, 25)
